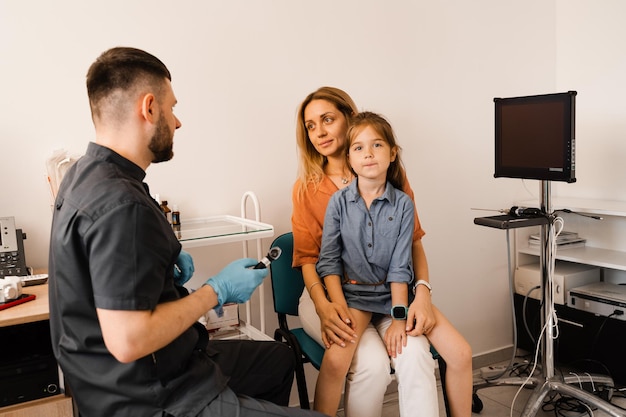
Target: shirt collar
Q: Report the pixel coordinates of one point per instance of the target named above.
(106, 154)
(389, 194)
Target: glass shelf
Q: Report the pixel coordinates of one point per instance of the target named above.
(220, 229)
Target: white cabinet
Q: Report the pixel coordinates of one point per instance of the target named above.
(606, 237)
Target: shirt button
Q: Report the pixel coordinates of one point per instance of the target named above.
(390, 219)
(369, 245)
(369, 223)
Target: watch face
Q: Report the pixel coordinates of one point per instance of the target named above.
(398, 312)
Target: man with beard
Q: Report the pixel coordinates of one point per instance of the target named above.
(123, 328)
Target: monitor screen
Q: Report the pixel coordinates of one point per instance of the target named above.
(535, 137)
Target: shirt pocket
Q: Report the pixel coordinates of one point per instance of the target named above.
(388, 227)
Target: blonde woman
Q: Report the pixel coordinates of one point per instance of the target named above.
(322, 122)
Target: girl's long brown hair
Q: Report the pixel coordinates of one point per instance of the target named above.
(395, 172)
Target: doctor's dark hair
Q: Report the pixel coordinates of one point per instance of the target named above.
(122, 71)
(395, 172)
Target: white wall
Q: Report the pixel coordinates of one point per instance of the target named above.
(590, 60)
(240, 70)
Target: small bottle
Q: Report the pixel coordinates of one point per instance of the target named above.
(175, 216)
(166, 210)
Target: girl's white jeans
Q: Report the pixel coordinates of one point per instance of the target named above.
(370, 370)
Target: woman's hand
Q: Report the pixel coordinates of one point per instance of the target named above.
(395, 337)
(420, 318)
(337, 324)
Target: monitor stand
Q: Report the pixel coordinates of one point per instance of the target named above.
(548, 382)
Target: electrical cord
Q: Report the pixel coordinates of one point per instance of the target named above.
(522, 369)
(565, 406)
(532, 371)
(562, 405)
(591, 216)
(524, 305)
(554, 231)
(598, 364)
(597, 335)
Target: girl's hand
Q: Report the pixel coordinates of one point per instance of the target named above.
(395, 337)
(338, 325)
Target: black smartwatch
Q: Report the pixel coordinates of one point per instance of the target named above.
(399, 312)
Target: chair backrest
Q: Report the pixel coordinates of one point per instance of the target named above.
(287, 282)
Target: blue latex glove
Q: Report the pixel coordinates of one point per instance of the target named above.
(237, 281)
(183, 268)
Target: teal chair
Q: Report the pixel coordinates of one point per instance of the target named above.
(287, 286)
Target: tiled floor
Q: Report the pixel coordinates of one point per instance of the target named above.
(497, 401)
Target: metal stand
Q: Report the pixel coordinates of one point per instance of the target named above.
(548, 381)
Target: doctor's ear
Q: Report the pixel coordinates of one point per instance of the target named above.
(148, 107)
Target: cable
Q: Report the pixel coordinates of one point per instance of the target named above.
(562, 405)
(593, 386)
(580, 384)
(520, 370)
(597, 336)
(550, 240)
(565, 406)
(532, 371)
(526, 297)
(591, 216)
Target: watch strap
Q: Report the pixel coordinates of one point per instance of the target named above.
(425, 284)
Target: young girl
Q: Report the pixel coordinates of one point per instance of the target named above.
(365, 258)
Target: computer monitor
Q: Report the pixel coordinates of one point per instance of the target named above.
(535, 137)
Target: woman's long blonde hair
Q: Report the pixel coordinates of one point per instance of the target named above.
(310, 162)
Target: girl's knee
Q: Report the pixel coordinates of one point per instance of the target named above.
(461, 357)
